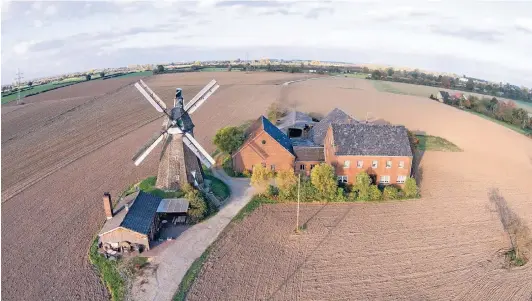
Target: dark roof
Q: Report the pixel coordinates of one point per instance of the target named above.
(141, 213)
(276, 134)
(295, 119)
(309, 153)
(337, 116)
(371, 140)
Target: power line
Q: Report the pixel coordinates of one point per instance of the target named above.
(18, 79)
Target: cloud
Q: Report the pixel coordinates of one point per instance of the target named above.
(50, 10)
(252, 3)
(469, 33)
(315, 13)
(37, 23)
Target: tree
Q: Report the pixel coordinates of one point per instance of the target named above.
(446, 82)
(285, 180)
(102, 74)
(362, 186)
(492, 105)
(229, 68)
(390, 193)
(197, 204)
(322, 177)
(411, 190)
(30, 84)
(229, 139)
(88, 77)
(520, 116)
(470, 85)
(374, 193)
(365, 70)
(261, 175)
(275, 112)
(390, 71)
(376, 74)
(160, 68)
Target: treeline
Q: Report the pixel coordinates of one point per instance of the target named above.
(505, 111)
(456, 83)
(294, 68)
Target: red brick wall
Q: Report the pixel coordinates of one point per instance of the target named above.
(306, 171)
(272, 154)
(338, 163)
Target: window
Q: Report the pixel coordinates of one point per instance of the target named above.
(264, 165)
(263, 141)
(401, 179)
(385, 180)
(273, 167)
(401, 164)
(360, 163)
(374, 164)
(347, 163)
(312, 166)
(388, 164)
(342, 179)
(301, 166)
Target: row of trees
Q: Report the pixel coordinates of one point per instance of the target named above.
(421, 78)
(323, 186)
(505, 111)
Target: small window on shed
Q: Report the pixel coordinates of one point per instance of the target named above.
(263, 141)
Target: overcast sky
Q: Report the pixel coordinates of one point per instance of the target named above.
(479, 39)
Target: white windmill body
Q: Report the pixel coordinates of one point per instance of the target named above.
(181, 155)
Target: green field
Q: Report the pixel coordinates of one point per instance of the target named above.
(65, 82)
(433, 143)
(212, 69)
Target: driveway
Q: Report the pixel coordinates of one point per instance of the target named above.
(162, 281)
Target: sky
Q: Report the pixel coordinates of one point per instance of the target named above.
(489, 40)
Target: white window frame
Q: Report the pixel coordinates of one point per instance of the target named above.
(342, 179)
(401, 164)
(347, 163)
(385, 181)
(375, 164)
(401, 182)
(302, 165)
(360, 164)
(389, 161)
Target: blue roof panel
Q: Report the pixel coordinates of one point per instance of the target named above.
(276, 134)
(142, 212)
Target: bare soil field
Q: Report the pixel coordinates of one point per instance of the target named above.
(445, 246)
(60, 153)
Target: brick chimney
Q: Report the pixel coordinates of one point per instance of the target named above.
(107, 205)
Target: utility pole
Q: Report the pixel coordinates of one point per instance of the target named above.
(18, 79)
(297, 214)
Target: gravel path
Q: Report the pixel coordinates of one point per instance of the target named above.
(174, 261)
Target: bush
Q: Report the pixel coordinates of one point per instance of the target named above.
(285, 180)
(324, 180)
(362, 187)
(374, 193)
(411, 190)
(271, 191)
(261, 175)
(197, 203)
(390, 193)
(229, 139)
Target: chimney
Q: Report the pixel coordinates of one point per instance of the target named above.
(107, 205)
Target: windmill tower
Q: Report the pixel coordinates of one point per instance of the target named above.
(181, 155)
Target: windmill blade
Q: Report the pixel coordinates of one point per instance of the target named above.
(201, 97)
(155, 96)
(154, 103)
(198, 150)
(147, 148)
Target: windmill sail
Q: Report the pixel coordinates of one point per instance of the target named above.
(155, 104)
(146, 149)
(198, 150)
(201, 97)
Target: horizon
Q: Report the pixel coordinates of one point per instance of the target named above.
(431, 37)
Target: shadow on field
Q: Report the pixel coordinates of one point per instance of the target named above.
(312, 252)
(417, 170)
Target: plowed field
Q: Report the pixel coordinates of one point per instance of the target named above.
(64, 148)
(445, 246)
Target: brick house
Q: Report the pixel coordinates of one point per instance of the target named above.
(267, 145)
(383, 151)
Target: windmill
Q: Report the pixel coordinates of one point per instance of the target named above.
(181, 155)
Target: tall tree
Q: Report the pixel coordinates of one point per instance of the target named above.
(470, 85)
(322, 177)
(229, 139)
(390, 71)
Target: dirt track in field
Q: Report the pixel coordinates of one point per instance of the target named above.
(64, 148)
(445, 246)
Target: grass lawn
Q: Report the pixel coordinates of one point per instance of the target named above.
(142, 73)
(34, 89)
(219, 188)
(433, 143)
(213, 69)
(108, 272)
